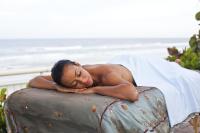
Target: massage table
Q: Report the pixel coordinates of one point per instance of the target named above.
(33, 110)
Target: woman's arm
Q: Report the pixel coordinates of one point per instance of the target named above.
(42, 82)
(46, 82)
(125, 91)
(118, 87)
(115, 86)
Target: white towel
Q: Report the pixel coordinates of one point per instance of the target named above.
(180, 86)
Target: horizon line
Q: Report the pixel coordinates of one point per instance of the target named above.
(37, 38)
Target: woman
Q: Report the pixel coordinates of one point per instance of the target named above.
(180, 86)
(106, 79)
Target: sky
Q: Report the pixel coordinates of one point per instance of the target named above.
(98, 18)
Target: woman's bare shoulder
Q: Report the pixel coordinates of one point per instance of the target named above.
(47, 77)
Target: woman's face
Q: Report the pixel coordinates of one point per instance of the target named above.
(76, 77)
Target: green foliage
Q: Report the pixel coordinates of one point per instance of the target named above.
(171, 58)
(195, 43)
(2, 116)
(197, 16)
(190, 57)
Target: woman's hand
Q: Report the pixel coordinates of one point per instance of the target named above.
(68, 90)
(86, 91)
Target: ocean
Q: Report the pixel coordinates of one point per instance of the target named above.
(31, 53)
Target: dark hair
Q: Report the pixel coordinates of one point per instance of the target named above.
(57, 70)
